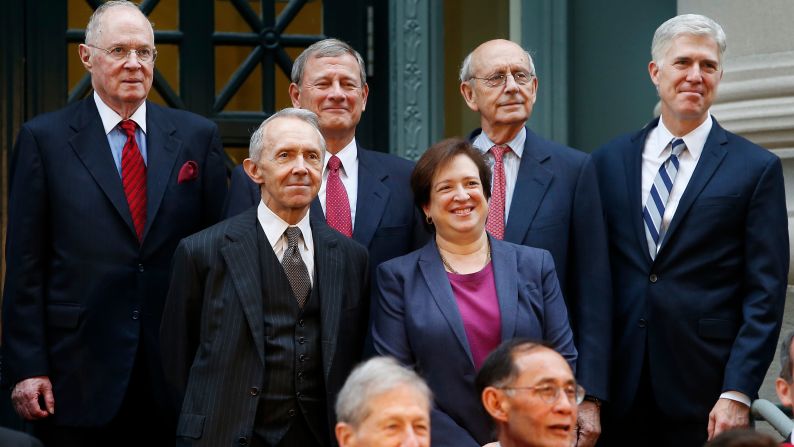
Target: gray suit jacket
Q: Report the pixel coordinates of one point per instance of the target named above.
(213, 336)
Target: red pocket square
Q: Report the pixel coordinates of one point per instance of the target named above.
(188, 172)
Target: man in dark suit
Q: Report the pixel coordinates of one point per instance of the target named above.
(101, 192)
(699, 245)
(370, 192)
(266, 314)
(545, 195)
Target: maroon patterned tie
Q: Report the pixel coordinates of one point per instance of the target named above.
(133, 177)
(337, 205)
(496, 206)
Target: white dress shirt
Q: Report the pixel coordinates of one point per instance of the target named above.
(348, 173)
(116, 136)
(275, 227)
(657, 150)
(511, 160)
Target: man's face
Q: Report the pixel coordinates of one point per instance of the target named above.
(122, 84)
(397, 418)
(687, 78)
(529, 420)
(784, 388)
(333, 89)
(289, 167)
(509, 104)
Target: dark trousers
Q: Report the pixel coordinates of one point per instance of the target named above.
(646, 424)
(142, 420)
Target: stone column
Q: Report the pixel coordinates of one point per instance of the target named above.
(756, 95)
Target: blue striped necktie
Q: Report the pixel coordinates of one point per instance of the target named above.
(657, 200)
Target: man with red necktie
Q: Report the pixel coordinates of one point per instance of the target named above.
(545, 195)
(101, 192)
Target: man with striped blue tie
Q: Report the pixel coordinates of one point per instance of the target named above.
(699, 255)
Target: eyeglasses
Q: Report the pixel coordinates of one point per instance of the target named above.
(499, 79)
(143, 54)
(550, 393)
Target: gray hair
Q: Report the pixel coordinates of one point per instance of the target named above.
(259, 136)
(686, 24)
(370, 379)
(785, 357)
(466, 71)
(93, 29)
(326, 48)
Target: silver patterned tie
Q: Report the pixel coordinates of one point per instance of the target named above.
(653, 211)
(295, 268)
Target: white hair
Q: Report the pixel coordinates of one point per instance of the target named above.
(686, 24)
(258, 138)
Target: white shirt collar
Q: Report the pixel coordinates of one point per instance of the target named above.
(694, 140)
(111, 119)
(275, 226)
(516, 144)
(347, 156)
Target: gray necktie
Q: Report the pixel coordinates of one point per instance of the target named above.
(295, 268)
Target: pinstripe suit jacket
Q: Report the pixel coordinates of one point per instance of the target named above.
(213, 334)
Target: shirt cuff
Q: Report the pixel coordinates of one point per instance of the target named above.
(737, 396)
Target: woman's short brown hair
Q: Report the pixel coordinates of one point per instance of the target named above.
(438, 156)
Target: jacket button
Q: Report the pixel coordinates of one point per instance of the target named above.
(253, 391)
(653, 277)
(302, 358)
(140, 268)
(300, 323)
(291, 413)
(242, 440)
(643, 322)
(301, 340)
(298, 395)
(136, 314)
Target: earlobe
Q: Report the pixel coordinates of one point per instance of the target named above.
(653, 71)
(295, 95)
(468, 95)
(783, 390)
(495, 404)
(253, 171)
(344, 434)
(85, 56)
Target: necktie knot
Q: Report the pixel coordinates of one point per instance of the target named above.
(293, 236)
(128, 126)
(677, 146)
(334, 163)
(499, 150)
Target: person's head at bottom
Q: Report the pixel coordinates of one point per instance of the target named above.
(742, 437)
(383, 404)
(530, 393)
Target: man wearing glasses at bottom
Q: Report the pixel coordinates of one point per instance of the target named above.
(530, 392)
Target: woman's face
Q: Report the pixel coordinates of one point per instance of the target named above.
(457, 203)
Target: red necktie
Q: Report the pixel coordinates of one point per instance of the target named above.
(496, 206)
(133, 177)
(337, 205)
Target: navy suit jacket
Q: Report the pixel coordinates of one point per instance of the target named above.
(417, 321)
(82, 295)
(556, 206)
(213, 333)
(706, 312)
(387, 221)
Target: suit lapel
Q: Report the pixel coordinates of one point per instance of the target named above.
(241, 254)
(373, 196)
(531, 185)
(711, 157)
(91, 145)
(632, 163)
(437, 281)
(503, 257)
(330, 273)
(162, 149)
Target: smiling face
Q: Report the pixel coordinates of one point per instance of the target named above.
(121, 84)
(686, 79)
(530, 421)
(397, 418)
(457, 205)
(289, 169)
(333, 89)
(506, 106)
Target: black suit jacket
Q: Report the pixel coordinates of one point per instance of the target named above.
(556, 206)
(213, 336)
(81, 294)
(706, 312)
(387, 221)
